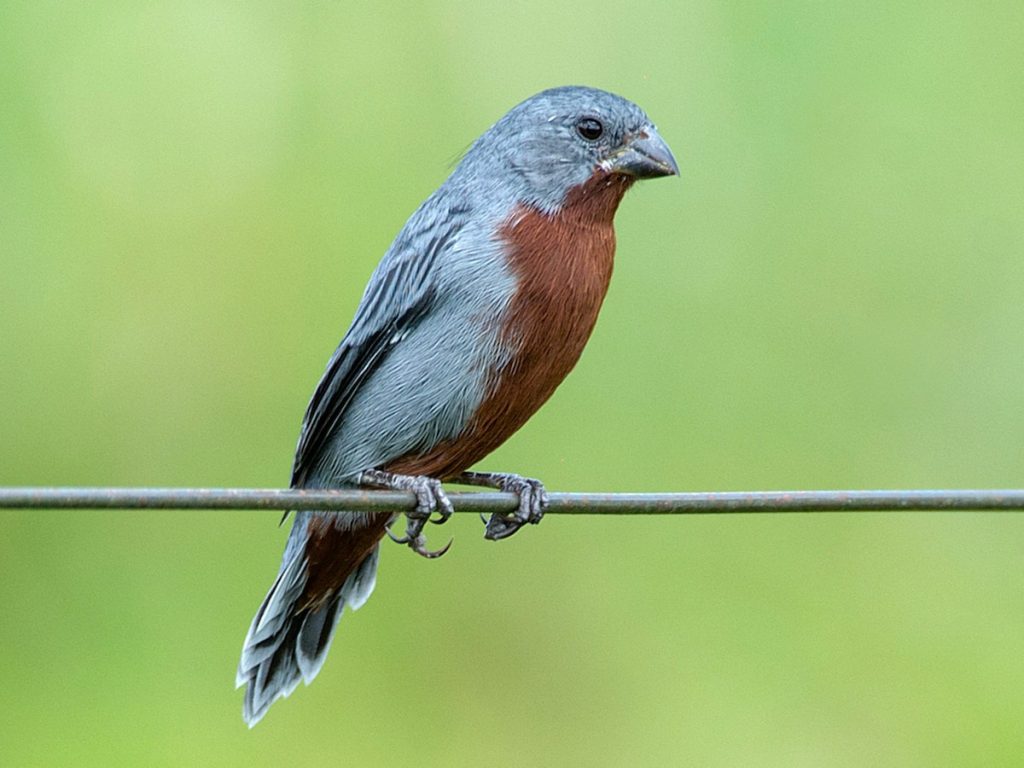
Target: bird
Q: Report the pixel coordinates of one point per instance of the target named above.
(475, 314)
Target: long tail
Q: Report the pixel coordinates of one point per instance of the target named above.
(330, 562)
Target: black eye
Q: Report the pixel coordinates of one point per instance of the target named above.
(589, 128)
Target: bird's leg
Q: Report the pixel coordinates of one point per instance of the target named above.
(430, 498)
(532, 500)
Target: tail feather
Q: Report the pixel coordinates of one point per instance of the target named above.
(317, 630)
(287, 643)
(359, 586)
(264, 636)
(313, 639)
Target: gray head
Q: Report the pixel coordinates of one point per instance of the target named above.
(558, 139)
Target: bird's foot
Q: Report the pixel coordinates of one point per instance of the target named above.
(430, 498)
(532, 500)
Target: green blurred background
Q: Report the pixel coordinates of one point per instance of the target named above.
(192, 196)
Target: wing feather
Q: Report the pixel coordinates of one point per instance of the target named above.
(400, 291)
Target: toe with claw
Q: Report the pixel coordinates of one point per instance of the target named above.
(418, 544)
(532, 500)
(430, 499)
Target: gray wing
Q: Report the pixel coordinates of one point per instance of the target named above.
(400, 291)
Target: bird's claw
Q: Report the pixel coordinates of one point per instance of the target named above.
(532, 500)
(418, 545)
(430, 499)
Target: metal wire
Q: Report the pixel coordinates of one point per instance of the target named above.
(560, 503)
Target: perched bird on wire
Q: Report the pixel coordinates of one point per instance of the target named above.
(476, 313)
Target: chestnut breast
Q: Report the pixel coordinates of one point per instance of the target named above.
(562, 263)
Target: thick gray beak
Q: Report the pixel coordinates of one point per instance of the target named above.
(644, 156)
